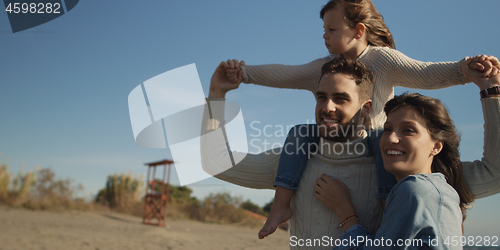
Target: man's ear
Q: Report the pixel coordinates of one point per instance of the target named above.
(438, 146)
(366, 108)
(360, 30)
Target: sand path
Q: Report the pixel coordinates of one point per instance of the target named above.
(25, 229)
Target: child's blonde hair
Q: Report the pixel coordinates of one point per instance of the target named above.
(363, 11)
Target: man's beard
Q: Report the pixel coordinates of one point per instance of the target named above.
(341, 132)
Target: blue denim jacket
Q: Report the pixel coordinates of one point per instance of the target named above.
(302, 141)
(422, 212)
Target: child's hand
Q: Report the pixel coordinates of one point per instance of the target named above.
(483, 82)
(220, 83)
(487, 65)
(335, 195)
(233, 71)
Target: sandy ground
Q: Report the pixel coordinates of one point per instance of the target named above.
(25, 229)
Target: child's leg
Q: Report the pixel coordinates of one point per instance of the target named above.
(385, 179)
(280, 211)
(301, 141)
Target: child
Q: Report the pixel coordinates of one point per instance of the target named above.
(355, 30)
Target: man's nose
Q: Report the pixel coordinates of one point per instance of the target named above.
(330, 106)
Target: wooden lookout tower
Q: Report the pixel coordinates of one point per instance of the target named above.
(156, 200)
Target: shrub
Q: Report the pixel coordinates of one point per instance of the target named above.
(38, 190)
(248, 205)
(267, 207)
(122, 193)
(222, 207)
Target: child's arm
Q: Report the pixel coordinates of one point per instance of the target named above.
(397, 69)
(304, 76)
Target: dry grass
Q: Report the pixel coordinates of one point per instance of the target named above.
(15, 190)
(123, 194)
(5, 178)
(40, 190)
(219, 208)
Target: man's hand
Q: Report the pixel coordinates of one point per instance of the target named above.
(491, 79)
(220, 83)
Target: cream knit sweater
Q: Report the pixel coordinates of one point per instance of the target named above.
(390, 67)
(352, 165)
(311, 219)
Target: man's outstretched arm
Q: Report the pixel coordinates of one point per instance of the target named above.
(252, 171)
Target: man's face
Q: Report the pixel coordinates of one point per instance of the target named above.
(338, 108)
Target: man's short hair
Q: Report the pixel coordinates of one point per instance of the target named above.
(357, 70)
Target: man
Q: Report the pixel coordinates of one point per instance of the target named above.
(342, 103)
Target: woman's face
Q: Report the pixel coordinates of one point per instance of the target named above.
(406, 144)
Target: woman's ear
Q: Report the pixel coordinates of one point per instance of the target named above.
(360, 30)
(438, 146)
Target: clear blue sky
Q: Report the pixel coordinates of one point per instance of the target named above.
(64, 84)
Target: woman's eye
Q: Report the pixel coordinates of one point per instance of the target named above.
(386, 130)
(409, 130)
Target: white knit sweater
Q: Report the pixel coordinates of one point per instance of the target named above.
(353, 166)
(390, 67)
(312, 219)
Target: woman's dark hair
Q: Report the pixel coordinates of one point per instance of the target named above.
(441, 128)
(363, 11)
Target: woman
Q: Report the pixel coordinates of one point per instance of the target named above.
(420, 148)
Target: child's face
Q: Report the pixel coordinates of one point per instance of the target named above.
(339, 37)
